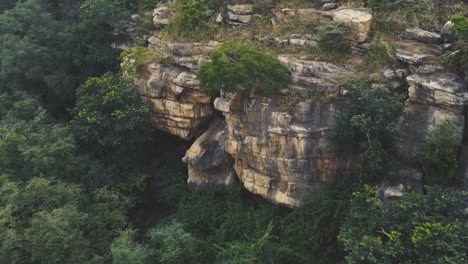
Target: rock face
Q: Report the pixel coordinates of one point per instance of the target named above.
(358, 21)
(172, 90)
(209, 166)
(283, 155)
(279, 147)
(434, 95)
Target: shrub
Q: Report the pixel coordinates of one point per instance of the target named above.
(460, 25)
(333, 37)
(369, 126)
(439, 152)
(237, 68)
(419, 228)
(135, 60)
(380, 54)
(188, 16)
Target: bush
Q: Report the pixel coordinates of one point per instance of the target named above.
(419, 228)
(238, 68)
(333, 37)
(380, 54)
(369, 126)
(460, 25)
(188, 16)
(108, 117)
(439, 153)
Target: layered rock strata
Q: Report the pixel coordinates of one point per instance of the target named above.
(172, 90)
(283, 155)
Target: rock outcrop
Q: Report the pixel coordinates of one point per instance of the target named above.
(172, 90)
(209, 166)
(279, 147)
(283, 155)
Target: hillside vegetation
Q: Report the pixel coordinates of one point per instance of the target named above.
(85, 178)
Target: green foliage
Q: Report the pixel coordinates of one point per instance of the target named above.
(369, 126)
(148, 4)
(238, 68)
(439, 153)
(419, 228)
(174, 245)
(108, 116)
(312, 230)
(125, 249)
(47, 221)
(49, 47)
(380, 54)
(256, 251)
(460, 25)
(136, 59)
(189, 16)
(333, 38)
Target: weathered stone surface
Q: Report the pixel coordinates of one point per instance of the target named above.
(245, 9)
(279, 155)
(358, 21)
(329, 6)
(161, 16)
(282, 155)
(237, 15)
(417, 53)
(446, 90)
(172, 90)
(316, 76)
(235, 18)
(448, 35)
(210, 167)
(423, 36)
(421, 120)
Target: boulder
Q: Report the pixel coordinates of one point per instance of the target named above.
(448, 35)
(329, 6)
(209, 166)
(161, 16)
(423, 36)
(358, 21)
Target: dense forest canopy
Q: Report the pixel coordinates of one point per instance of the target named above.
(84, 178)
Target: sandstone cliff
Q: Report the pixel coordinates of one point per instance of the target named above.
(279, 147)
